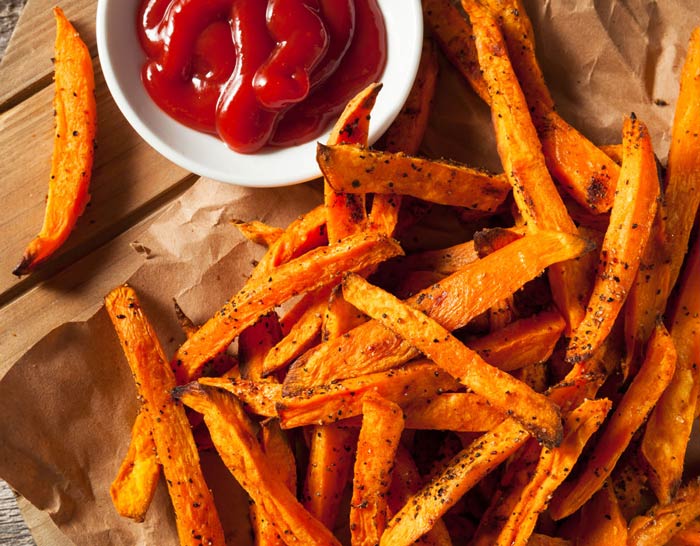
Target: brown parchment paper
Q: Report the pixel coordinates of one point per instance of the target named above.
(67, 405)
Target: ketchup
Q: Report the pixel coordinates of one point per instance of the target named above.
(259, 72)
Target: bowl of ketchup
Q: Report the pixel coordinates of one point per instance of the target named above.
(241, 91)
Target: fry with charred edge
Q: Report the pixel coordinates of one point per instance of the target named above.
(664, 520)
(300, 337)
(521, 153)
(466, 469)
(552, 468)
(75, 115)
(526, 341)
(331, 456)
(303, 234)
(342, 399)
(531, 409)
(196, 516)
(260, 397)
(600, 521)
(405, 482)
(355, 169)
(258, 232)
(453, 302)
(646, 388)
(311, 271)
(669, 425)
(345, 213)
(275, 445)
(682, 198)
(630, 224)
(231, 432)
(406, 133)
(382, 425)
(135, 484)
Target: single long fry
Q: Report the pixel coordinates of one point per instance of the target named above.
(531, 409)
(466, 469)
(342, 399)
(231, 432)
(644, 391)
(406, 133)
(345, 213)
(373, 465)
(453, 302)
(669, 426)
(259, 232)
(353, 169)
(196, 516)
(75, 115)
(313, 270)
(630, 224)
(135, 483)
(457, 411)
(521, 153)
(331, 456)
(260, 397)
(682, 197)
(663, 521)
(552, 468)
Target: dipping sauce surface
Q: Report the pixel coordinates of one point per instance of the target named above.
(259, 72)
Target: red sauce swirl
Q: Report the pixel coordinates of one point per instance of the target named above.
(257, 72)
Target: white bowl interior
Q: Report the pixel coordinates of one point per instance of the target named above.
(121, 59)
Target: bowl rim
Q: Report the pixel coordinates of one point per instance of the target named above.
(271, 167)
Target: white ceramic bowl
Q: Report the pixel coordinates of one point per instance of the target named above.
(121, 58)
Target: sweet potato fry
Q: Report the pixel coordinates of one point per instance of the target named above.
(75, 115)
(521, 153)
(255, 342)
(444, 261)
(383, 420)
(196, 516)
(275, 445)
(258, 232)
(630, 224)
(538, 539)
(526, 341)
(665, 520)
(260, 397)
(457, 411)
(303, 234)
(331, 456)
(453, 303)
(669, 425)
(550, 471)
(687, 536)
(340, 316)
(600, 521)
(300, 337)
(354, 169)
(466, 469)
(135, 484)
(342, 399)
(637, 402)
(311, 271)
(231, 432)
(503, 391)
(406, 133)
(345, 213)
(663, 260)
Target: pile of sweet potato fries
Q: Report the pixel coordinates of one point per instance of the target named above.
(451, 394)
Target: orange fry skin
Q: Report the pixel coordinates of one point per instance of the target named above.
(259, 232)
(196, 516)
(630, 225)
(75, 115)
(311, 271)
(232, 433)
(646, 388)
(381, 419)
(453, 302)
(531, 409)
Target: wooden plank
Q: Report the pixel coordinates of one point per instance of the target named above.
(26, 67)
(129, 177)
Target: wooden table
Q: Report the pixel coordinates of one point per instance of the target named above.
(97, 256)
